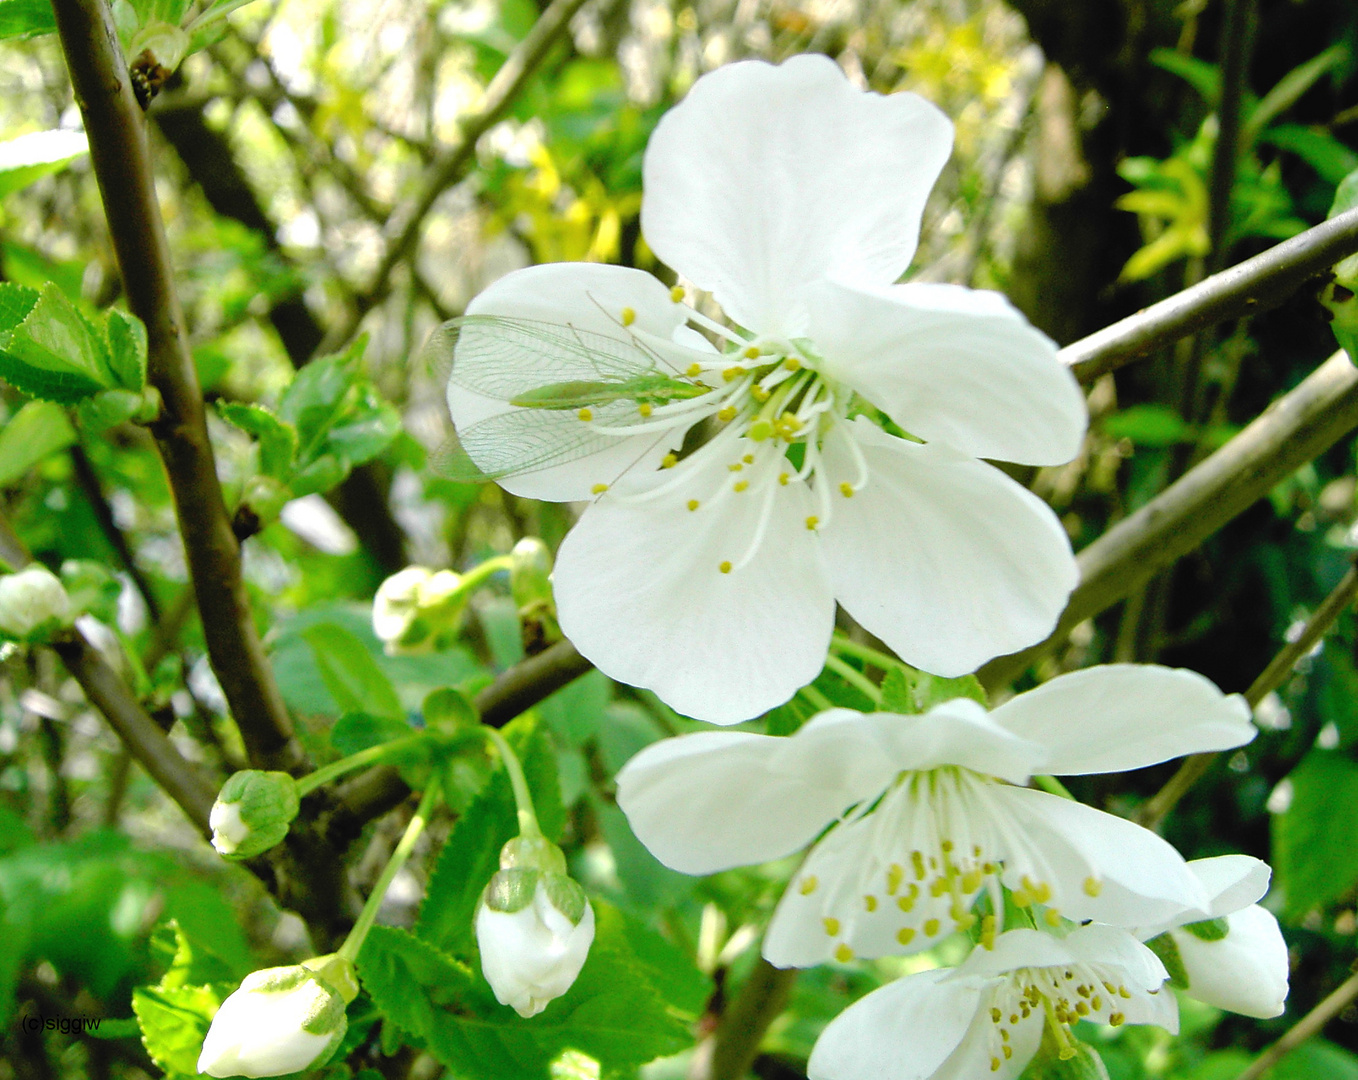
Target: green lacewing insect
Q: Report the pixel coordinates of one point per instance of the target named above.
(548, 372)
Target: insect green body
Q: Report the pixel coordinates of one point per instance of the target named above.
(651, 389)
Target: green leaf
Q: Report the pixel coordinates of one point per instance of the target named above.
(930, 690)
(366, 428)
(38, 429)
(789, 716)
(897, 694)
(1205, 78)
(472, 852)
(174, 1023)
(315, 398)
(38, 154)
(127, 349)
(52, 353)
(612, 1013)
(115, 1029)
(1316, 863)
(277, 438)
(350, 672)
(1287, 90)
(668, 968)
(103, 410)
(1316, 1058)
(355, 731)
(1323, 152)
(449, 711)
(1149, 425)
(26, 18)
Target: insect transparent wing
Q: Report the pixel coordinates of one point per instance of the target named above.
(522, 441)
(505, 358)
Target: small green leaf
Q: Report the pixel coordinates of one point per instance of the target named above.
(1314, 862)
(40, 153)
(127, 349)
(355, 731)
(38, 429)
(277, 438)
(53, 352)
(26, 18)
(351, 674)
(103, 410)
(448, 710)
(930, 690)
(174, 1023)
(472, 852)
(1149, 425)
(897, 694)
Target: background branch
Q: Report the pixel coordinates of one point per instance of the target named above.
(1310, 1024)
(1299, 426)
(118, 149)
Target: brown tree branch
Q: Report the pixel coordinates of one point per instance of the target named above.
(118, 148)
(404, 225)
(1300, 425)
(762, 998)
(1310, 1024)
(1247, 288)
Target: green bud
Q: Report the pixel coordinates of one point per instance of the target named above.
(530, 574)
(338, 971)
(418, 610)
(532, 851)
(265, 498)
(165, 43)
(253, 812)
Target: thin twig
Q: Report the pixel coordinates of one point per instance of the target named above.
(1279, 668)
(1256, 285)
(118, 149)
(1310, 1024)
(1300, 425)
(1237, 40)
(761, 999)
(404, 225)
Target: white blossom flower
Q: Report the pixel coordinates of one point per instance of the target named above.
(417, 610)
(31, 600)
(929, 810)
(281, 1020)
(850, 413)
(1236, 959)
(985, 1018)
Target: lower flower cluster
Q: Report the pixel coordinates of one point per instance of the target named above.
(924, 826)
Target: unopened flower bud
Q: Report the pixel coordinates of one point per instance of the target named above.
(530, 574)
(281, 1020)
(533, 925)
(33, 604)
(418, 610)
(1240, 964)
(253, 812)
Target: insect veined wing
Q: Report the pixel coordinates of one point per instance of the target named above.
(522, 441)
(507, 358)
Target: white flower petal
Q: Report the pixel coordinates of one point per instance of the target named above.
(641, 592)
(904, 1031)
(941, 556)
(1135, 877)
(1117, 717)
(1232, 881)
(956, 365)
(589, 297)
(1245, 972)
(765, 179)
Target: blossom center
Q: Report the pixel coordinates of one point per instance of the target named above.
(1060, 996)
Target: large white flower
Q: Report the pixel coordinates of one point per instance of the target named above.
(928, 811)
(709, 575)
(1236, 959)
(985, 1018)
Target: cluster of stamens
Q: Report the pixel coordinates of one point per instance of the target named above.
(769, 397)
(1062, 996)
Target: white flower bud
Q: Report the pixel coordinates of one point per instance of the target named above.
(33, 603)
(417, 610)
(1244, 970)
(281, 1020)
(534, 927)
(253, 812)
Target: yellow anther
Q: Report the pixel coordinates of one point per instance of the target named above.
(811, 523)
(1123, 992)
(645, 408)
(843, 953)
(905, 935)
(938, 887)
(759, 393)
(1053, 917)
(971, 880)
(946, 847)
(931, 927)
(1097, 1003)
(831, 925)
(783, 479)
(994, 1064)
(870, 902)
(585, 414)
(808, 885)
(751, 352)
(693, 504)
(599, 489)
(1005, 1048)
(1116, 1019)
(732, 373)
(895, 872)
(725, 567)
(988, 926)
(846, 489)
(748, 459)
(694, 370)
(1093, 886)
(792, 363)
(669, 461)
(905, 902)
(1042, 893)
(917, 861)
(726, 413)
(988, 868)
(760, 430)
(966, 922)
(740, 485)
(1004, 1034)
(677, 293)
(995, 1015)
(1022, 898)
(736, 466)
(628, 316)
(1082, 1008)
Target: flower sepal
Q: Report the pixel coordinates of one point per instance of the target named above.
(253, 812)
